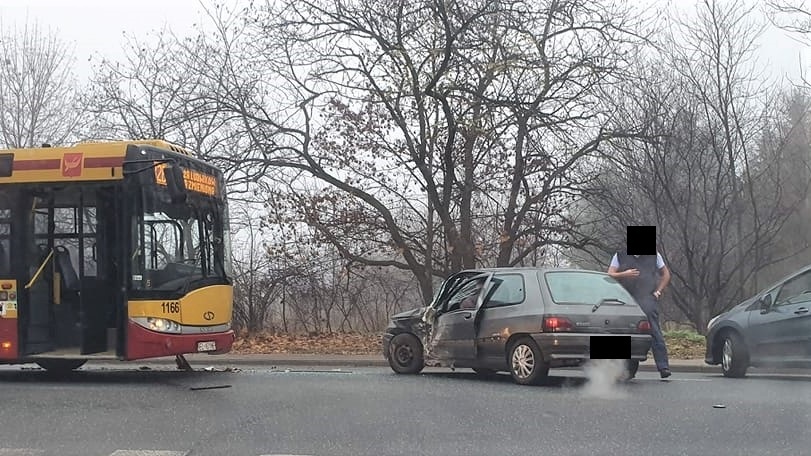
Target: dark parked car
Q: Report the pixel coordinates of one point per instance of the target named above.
(521, 320)
(772, 328)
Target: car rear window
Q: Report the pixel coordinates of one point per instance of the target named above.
(573, 287)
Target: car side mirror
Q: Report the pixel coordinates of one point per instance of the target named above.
(765, 303)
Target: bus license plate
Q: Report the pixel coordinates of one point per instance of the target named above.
(206, 346)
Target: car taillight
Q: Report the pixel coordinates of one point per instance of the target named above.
(557, 324)
(643, 326)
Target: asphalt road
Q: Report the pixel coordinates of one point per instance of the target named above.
(371, 411)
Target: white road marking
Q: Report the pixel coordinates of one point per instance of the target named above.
(36, 452)
(663, 380)
(148, 453)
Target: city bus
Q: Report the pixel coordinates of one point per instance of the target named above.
(112, 250)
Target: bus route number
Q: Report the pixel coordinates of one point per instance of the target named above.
(171, 307)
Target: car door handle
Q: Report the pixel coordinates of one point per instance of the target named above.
(468, 315)
(801, 310)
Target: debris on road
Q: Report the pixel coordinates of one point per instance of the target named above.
(222, 369)
(200, 388)
(719, 406)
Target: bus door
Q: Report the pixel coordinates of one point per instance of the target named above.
(101, 305)
(69, 293)
(37, 311)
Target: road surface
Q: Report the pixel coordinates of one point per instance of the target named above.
(123, 411)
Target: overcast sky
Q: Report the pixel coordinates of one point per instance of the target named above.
(97, 26)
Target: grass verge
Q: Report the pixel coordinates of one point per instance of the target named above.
(681, 344)
(684, 344)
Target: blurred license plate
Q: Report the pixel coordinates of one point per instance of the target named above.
(610, 347)
(206, 346)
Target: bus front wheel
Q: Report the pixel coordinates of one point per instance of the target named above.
(60, 365)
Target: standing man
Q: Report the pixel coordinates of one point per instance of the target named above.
(642, 271)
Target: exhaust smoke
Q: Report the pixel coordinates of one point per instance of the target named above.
(603, 377)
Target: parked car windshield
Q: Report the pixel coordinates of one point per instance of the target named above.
(583, 287)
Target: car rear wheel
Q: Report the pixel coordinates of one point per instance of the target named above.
(527, 366)
(734, 357)
(405, 354)
(60, 365)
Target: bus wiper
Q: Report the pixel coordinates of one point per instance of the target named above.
(610, 300)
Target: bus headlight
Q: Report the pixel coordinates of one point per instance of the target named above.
(163, 325)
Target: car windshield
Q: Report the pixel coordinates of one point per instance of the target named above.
(588, 288)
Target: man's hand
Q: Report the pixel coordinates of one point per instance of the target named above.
(658, 294)
(631, 273)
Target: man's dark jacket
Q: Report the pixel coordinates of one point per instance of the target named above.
(645, 284)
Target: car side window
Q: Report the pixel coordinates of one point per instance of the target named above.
(794, 287)
(506, 290)
(465, 297)
(442, 296)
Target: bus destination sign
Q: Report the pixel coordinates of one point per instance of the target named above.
(194, 181)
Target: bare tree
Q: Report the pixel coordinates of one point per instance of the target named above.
(256, 287)
(38, 92)
(793, 16)
(711, 182)
(157, 90)
(790, 15)
(409, 115)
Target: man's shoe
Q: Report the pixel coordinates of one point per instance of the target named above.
(664, 373)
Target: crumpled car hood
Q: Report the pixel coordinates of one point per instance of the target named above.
(416, 312)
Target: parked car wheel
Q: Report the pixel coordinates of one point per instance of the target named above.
(526, 362)
(734, 356)
(406, 354)
(60, 365)
(484, 372)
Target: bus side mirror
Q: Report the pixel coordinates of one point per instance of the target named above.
(175, 183)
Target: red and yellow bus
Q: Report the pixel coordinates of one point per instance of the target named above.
(112, 250)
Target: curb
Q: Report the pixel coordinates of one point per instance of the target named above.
(706, 369)
(270, 362)
(346, 362)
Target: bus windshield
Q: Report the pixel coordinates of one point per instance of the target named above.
(177, 246)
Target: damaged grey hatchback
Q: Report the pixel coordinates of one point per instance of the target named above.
(521, 320)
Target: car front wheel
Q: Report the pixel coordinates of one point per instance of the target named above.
(527, 366)
(734, 357)
(405, 354)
